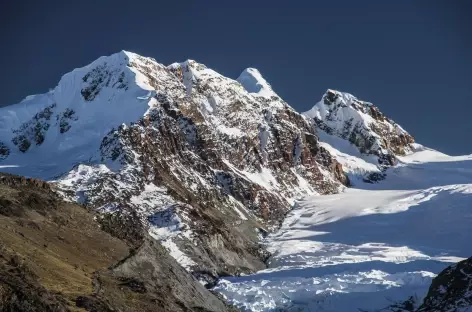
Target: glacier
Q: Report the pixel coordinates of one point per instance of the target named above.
(367, 248)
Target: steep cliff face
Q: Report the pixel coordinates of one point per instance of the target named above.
(207, 163)
(361, 123)
(451, 290)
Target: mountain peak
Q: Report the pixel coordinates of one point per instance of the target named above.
(86, 104)
(336, 97)
(252, 80)
(342, 115)
(184, 63)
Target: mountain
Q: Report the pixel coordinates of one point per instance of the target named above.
(218, 171)
(208, 165)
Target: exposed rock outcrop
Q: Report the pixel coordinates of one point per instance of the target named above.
(451, 290)
(361, 123)
(4, 151)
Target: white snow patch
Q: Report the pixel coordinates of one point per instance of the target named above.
(264, 178)
(355, 164)
(232, 132)
(178, 255)
(252, 80)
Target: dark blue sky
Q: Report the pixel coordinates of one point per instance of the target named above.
(413, 59)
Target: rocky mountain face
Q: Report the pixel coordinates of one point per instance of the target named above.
(451, 290)
(55, 257)
(363, 125)
(207, 164)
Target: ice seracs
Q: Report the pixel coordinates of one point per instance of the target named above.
(373, 248)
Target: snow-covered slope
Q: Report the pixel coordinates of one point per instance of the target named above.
(252, 80)
(367, 249)
(72, 119)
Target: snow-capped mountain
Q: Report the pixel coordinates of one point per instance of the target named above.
(209, 166)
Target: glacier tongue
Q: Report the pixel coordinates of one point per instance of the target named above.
(368, 248)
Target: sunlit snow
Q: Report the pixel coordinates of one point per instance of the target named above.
(370, 246)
